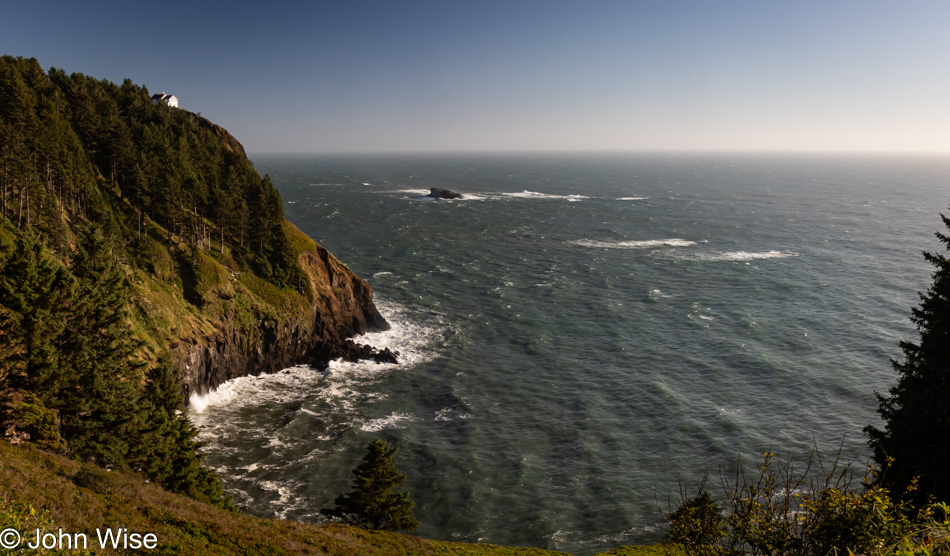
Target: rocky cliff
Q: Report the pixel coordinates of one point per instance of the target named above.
(341, 308)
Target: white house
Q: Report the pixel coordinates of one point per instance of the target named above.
(170, 100)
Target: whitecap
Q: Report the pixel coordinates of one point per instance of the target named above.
(450, 414)
(632, 198)
(422, 192)
(747, 256)
(643, 244)
(393, 421)
(537, 195)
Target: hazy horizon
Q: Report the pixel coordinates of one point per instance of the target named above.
(370, 77)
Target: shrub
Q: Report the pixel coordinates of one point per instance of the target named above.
(781, 511)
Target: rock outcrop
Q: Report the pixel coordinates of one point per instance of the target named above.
(439, 193)
(342, 309)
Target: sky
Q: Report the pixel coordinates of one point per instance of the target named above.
(420, 76)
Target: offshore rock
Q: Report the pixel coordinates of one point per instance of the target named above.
(439, 193)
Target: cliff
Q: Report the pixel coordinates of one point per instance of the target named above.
(341, 307)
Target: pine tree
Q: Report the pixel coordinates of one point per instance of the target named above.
(372, 504)
(914, 443)
(167, 451)
(36, 292)
(99, 408)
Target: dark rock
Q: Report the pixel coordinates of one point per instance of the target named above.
(439, 193)
(351, 351)
(342, 308)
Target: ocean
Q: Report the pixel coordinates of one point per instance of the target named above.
(584, 334)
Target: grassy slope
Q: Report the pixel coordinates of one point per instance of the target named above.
(81, 497)
(188, 296)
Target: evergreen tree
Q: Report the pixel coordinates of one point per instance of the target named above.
(99, 407)
(36, 292)
(914, 442)
(372, 504)
(167, 451)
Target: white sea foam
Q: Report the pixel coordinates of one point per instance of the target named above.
(332, 402)
(644, 244)
(394, 421)
(198, 402)
(338, 385)
(746, 255)
(537, 195)
(470, 197)
(632, 198)
(658, 293)
(422, 192)
(450, 414)
(287, 501)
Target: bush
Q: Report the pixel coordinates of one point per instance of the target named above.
(781, 511)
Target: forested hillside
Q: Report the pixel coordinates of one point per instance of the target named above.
(76, 149)
(143, 258)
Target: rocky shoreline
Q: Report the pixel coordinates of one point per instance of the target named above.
(342, 309)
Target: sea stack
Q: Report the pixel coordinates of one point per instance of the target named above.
(439, 193)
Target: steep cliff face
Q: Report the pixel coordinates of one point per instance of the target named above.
(342, 308)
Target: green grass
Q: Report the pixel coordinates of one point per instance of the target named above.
(650, 550)
(82, 497)
(42, 490)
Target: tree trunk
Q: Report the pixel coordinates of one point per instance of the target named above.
(3, 206)
(19, 215)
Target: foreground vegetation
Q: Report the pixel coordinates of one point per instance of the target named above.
(779, 510)
(79, 497)
(899, 507)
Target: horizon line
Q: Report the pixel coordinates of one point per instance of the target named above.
(501, 152)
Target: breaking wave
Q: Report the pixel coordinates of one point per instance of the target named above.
(643, 244)
(537, 195)
(746, 255)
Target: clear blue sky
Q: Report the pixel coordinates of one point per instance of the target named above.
(522, 75)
